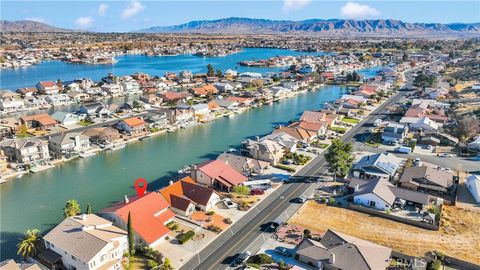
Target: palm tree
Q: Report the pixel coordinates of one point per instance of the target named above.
(28, 246)
(72, 208)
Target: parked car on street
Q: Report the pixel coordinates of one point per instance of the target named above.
(445, 155)
(242, 258)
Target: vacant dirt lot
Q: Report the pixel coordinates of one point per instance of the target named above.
(459, 235)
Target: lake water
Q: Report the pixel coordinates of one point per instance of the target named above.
(129, 64)
(36, 200)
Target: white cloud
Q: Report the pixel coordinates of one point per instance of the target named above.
(132, 9)
(354, 10)
(84, 22)
(102, 8)
(36, 19)
(290, 5)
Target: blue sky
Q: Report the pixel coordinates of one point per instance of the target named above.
(117, 16)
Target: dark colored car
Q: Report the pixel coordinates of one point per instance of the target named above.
(257, 191)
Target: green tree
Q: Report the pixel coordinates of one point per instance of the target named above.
(243, 190)
(167, 265)
(339, 158)
(219, 73)
(72, 208)
(131, 239)
(89, 209)
(307, 233)
(210, 70)
(29, 244)
(282, 265)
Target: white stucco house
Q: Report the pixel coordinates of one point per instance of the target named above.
(88, 242)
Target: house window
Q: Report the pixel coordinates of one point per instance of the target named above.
(73, 258)
(103, 258)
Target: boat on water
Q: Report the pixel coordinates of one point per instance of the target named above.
(36, 169)
(171, 129)
(146, 137)
(86, 154)
(117, 147)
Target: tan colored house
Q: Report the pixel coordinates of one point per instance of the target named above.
(340, 251)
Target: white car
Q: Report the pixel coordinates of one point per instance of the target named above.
(445, 155)
(229, 204)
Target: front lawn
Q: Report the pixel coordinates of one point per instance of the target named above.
(85, 123)
(340, 130)
(350, 120)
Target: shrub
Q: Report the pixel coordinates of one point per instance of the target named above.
(186, 236)
(435, 265)
(227, 221)
(440, 255)
(172, 225)
(151, 254)
(214, 228)
(243, 190)
(210, 213)
(260, 259)
(285, 167)
(331, 200)
(152, 264)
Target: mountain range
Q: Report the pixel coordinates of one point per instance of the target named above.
(388, 27)
(331, 27)
(29, 26)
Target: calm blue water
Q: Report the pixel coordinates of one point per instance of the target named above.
(129, 64)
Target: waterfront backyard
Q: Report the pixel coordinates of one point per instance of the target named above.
(105, 178)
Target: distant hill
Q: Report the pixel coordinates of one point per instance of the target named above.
(386, 27)
(29, 26)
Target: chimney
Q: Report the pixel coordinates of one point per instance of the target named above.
(257, 138)
(84, 216)
(357, 186)
(331, 259)
(126, 199)
(170, 183)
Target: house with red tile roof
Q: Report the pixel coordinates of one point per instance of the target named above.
(131, 126)
(321, 117)
(149, 216)
(298, 133)
(217, 174)
(241, 100)
(175, 96)
(205, 90)
(316, 128)
(39, 121)
(186, 195)
(47, 88)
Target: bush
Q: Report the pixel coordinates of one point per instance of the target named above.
(227, 221)
(440, 255)
(260, 259)
(214, 228)
(210, 213)
(172, 225)
(285, 167)
(186, 236)
(152, 264)
(151, 254)
(243, 190)
(435, 265)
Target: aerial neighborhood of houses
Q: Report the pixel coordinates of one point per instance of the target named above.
(383, 154)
